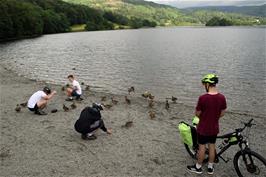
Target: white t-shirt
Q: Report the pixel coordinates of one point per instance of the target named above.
(37, 96)
(77, 86)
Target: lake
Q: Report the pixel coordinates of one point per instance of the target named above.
(165, 61)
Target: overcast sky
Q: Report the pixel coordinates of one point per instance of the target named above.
(195, 3)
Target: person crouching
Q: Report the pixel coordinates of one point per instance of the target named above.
(90, 121)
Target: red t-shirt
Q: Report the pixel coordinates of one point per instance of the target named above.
(211, 107)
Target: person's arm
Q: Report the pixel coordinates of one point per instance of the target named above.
(103, 128)
(48, 97)
(222, 113)
(197, 113)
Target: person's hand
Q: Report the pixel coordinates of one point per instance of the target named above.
(109, 131)
(54, 92)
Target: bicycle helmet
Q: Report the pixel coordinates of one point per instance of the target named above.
(97, 106)
(210, 78)
(47, 90)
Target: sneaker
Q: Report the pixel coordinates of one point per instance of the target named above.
(69, 99)
(40, 112)
(210, 170)
(79, 99)
(194, 169)
(86, 137)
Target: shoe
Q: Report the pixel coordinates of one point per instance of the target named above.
(69, 99)
(79, 99)
(40, 112)
(210, 170)
(86, 137)
(194, 169)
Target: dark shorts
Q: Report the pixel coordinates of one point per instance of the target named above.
(34, 109)
(206, 139)
(75, 94)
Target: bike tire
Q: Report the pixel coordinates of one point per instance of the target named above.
(249, 154)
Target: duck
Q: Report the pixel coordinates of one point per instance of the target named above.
(73, 106)
(65, 108)
(87, 87)
(18, 108)
(128, 101)
(103, 98)
(152, 114)
(174, 99)
(108, 106)
(128, 124)
(82, 83)
(131, 89)
(24, 104)
(114, 101)
(151, 103)
(54, 110)
(63, 88)
(167, 105)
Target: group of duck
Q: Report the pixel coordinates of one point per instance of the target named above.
(108, 105)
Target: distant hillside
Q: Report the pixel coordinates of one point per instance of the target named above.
(163, 15)
(246, 10)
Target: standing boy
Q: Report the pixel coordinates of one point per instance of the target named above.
(211, 106)
(75, 90)
(39, 100)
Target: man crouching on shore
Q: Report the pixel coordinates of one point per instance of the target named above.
(90, 121)
(39, 100)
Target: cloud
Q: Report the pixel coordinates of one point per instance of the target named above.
(195, 3)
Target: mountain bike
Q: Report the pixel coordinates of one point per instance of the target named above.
(246, 162)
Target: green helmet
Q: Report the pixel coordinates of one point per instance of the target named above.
(210, 78)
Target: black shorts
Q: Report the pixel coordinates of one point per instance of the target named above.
(206, 139)
(75, 94)
(34, 109)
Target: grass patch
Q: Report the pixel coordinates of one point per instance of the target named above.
(78, 27)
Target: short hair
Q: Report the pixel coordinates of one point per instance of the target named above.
(70, 76)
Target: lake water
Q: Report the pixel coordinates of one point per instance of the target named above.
(165, 61)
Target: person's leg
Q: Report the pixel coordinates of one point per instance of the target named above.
(211, 158)
(69, 91)
(201, 153)
(42, 104)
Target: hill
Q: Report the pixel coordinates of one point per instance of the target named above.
(259, 11)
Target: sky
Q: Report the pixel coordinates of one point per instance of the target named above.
(196, 3)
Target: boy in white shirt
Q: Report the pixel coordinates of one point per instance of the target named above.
(39, 100)
(75, 90)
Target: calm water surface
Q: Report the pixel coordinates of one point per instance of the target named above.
(166, 61)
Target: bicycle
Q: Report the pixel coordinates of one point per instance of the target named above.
(252, 163)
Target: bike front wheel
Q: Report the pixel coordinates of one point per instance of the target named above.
(249, 163)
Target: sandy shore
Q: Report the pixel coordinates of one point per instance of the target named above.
(45, 146)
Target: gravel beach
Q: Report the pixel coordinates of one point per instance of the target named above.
(46, 146)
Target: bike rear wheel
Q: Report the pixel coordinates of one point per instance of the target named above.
(249, 163)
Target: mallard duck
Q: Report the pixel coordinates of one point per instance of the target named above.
(108, 106)
(87, 87)
(18, 108)
(65, 108)
(167, 105)
(73, 106)
(128, 124)
(114, 101)
(152, 114)
(103, 98)
(131, 89)
(24, 104)
(151, 103)
(63, 88)
(128, 101)
(174, 99)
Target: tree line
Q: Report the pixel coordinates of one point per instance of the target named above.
(27, 18)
